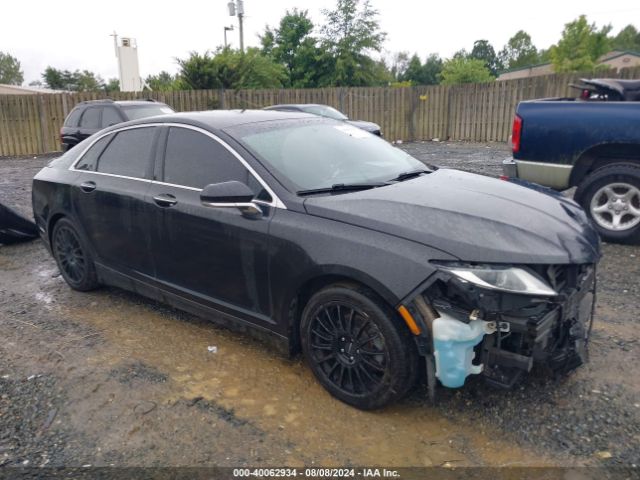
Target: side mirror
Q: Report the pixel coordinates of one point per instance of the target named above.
(231, 194)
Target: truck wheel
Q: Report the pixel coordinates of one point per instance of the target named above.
(357, 348)
(611, 198)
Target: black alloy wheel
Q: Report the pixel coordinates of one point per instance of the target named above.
(356, 348)
(73, 258)
(349, 348)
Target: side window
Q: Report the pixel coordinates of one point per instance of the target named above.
(110, 116)
(91, 118)
(128, 153)
(90, 157)
(258, 189)
(194, 160)
(72, 119)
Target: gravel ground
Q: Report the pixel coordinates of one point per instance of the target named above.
(82, 381)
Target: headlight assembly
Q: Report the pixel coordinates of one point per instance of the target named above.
(503, 278)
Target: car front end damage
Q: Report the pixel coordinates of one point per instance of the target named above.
(499, 321)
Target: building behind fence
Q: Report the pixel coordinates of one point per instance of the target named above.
(30, 124)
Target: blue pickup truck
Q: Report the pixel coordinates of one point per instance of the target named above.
(591, 142)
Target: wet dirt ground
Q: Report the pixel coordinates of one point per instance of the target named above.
(111, 378)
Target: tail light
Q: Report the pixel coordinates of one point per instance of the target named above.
(516, 133)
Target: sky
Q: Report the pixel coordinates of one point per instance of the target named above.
(76, 34)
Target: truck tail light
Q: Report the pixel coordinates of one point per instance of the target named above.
(516, 133)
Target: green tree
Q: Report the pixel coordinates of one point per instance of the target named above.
(228, 68)
(580, 47)
(519, 51)
(78, 81)
(627, 39)
(292, 45)
(399, 65)
(432, 69)
(351, 33)
(112, 85)
(544, 55)
(423, 74)
(199, 72)
(462, 53)
(258, 71)
(483, 50)
(413, 72)
(56, 79)
(10, 71)
(465, 70)
(163, 82)
(86, 81)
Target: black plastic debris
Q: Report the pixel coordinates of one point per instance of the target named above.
(15, 228)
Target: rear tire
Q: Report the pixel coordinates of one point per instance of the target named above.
(357, 348)
(73, 256)
(611, 198)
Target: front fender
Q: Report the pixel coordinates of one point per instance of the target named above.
(305, 247)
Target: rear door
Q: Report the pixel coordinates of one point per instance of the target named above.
(109, 196)
(215, 256)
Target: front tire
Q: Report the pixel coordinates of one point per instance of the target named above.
(357, 348)
(73, 256)
(611, 198)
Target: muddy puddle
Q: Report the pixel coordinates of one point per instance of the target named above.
(281, 395)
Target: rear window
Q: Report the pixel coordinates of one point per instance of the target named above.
(129, 153)
(72, 119)
(110, 116)
(91, 118)
(133, 112)
(90, 158)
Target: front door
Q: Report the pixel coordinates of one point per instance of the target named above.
(216, 256)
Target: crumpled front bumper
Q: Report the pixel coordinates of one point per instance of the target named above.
(549, 331)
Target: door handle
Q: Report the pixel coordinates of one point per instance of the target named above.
(165, 200)
(88, 186)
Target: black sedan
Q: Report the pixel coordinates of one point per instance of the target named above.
(328, 112)
(319, 236)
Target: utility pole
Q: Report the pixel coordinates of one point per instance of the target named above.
(240, 16)
(236, 8)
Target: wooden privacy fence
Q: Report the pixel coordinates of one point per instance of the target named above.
(30, 124)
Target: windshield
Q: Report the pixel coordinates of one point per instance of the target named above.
(321, 153)
(324, 111)
(134, 112)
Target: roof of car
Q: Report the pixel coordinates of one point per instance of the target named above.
(220, 119)
(294, 105)
(108, 101)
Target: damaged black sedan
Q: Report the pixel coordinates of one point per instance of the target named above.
(326, 239)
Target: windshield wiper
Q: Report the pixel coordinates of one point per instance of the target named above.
(342, 187)
(411, 174)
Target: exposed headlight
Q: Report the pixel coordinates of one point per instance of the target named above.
(503, 278)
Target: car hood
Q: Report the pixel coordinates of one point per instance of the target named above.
(368, 126)
(472, 217)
